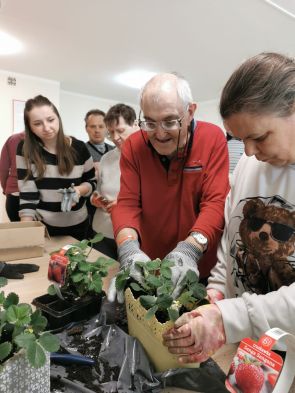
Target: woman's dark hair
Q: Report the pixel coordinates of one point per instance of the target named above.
(32, 150)
(118, 110)
(263, 84)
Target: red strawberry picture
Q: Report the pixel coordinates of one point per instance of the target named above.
(272, 378)
(249, 377)
(232, 368)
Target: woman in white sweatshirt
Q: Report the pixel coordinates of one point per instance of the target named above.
(121, 122)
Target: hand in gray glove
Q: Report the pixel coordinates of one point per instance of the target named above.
(16, 270)
(128, 253)
(185, 257)
(69, 199)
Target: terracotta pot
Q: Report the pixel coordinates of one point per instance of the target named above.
(17, 375)
(149, 333)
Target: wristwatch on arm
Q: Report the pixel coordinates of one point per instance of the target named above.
(200, 239)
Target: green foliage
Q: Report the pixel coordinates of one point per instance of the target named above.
(23, 328)
(155, 292)
(83, 277)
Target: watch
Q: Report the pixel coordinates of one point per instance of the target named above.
(200, 239)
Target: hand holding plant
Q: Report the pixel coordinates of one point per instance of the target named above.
(185, 257)
(196, 335)
(128, 254)
(155, 290)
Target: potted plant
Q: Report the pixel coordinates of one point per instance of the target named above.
(24, 346)
(79, 292)
(151, 310)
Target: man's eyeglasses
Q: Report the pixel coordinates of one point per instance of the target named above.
(166, 125)
(279, 232)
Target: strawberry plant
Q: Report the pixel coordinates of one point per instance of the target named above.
(82, 277)
(23, 328)
(155, 292)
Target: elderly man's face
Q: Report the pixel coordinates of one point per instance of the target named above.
(167, 142)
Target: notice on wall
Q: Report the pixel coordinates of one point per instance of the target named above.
(18, 116)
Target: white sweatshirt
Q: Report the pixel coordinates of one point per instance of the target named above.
(256, 258)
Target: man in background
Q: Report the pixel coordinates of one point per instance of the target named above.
(96, 130)
(8, 175)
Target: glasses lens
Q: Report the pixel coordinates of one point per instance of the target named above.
(147, 125)
(281, 232)
(170, 125)
(255, 223)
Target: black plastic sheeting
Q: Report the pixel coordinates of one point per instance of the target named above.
(135, 373)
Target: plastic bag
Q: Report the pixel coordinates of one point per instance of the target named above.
(122, 365)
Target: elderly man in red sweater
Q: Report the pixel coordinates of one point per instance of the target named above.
(174, 180)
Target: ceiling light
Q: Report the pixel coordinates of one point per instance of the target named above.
(286, 6)
(9, 44)
(135, 79)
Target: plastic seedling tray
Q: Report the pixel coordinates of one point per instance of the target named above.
(60, 313)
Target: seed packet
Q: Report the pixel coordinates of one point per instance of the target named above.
(257, 369)
(57, 268)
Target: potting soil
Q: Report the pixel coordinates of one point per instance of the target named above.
(121, 364)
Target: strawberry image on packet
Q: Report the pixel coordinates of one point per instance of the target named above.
(257, 369)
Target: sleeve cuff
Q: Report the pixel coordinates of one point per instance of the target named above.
(236, 321)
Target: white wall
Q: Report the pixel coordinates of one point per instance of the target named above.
(73, 108)
(209, 111)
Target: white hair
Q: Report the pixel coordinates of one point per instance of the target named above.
(182, 86)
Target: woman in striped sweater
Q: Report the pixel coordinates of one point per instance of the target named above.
(48, 161)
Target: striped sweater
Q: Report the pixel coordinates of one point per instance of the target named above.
(40, 200)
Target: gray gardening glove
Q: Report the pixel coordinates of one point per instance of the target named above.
(128, 253)
(185, 257)
(70, 197)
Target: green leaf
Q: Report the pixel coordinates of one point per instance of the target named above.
(164, 301)
(2, 297)
(153, 265)
(5, 349)
(49, 342)
(51, 290)
(186, 297)
(97, 238)
(82, 245)
(85, 266)
(38, 321)
(136, 287)
(23, 340)
(121, 279)
(11, 299)
(151, 312)
(96, 284)
(166, 272)
(198, 290)
(77, 277)
(3, 281)
(20, 314)
(167, 263)
(192, 276)
(36, 355)
(173, 314)
(147, 301)
(153, 280)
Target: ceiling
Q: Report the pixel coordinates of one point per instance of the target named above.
(84, 44)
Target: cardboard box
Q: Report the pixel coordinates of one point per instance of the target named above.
(21, 240)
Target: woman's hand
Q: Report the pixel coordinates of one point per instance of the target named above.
(196, 335)
(110, 205)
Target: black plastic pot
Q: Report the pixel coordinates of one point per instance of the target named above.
(60, 313)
